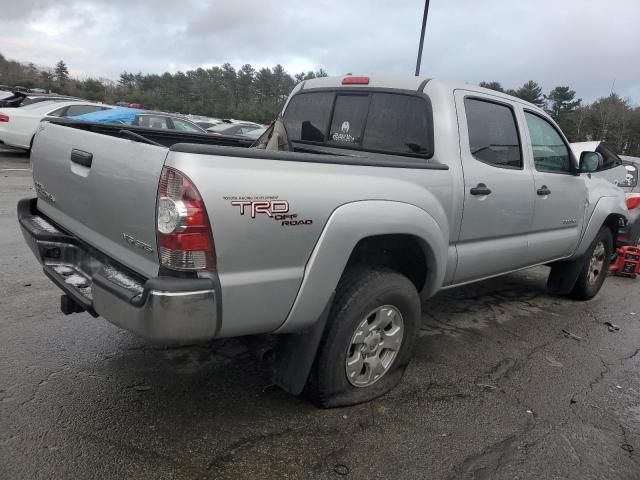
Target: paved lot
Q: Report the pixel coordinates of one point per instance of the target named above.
(506, 383)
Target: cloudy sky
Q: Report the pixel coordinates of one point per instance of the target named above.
(582, 43)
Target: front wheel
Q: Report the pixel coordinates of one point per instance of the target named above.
(368, 340)
(596, 266)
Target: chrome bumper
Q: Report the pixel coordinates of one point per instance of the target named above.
(167, 309)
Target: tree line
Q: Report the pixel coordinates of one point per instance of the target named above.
(611, 119)
(220, 91)
(258, 95)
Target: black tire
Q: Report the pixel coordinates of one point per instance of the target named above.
(584, 289)
(359, 292)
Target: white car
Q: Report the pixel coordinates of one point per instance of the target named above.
(18, 125)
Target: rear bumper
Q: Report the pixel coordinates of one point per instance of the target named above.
(164, 308)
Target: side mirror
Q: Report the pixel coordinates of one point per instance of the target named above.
(591, 162)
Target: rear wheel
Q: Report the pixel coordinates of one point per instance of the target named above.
(596, 266)
(368, 339)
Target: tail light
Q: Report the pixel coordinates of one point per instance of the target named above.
(4, 118)
(633, 201)
(183, 233)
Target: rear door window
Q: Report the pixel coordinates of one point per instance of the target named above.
(493, 134)
(185, 126)
(395, 123)
(153, 121)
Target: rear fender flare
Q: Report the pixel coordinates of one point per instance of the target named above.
(346, 226)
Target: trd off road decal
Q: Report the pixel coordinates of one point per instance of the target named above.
(271, 206)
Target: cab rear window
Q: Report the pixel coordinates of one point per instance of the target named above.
(395, 123)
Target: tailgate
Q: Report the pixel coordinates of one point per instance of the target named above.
(102, 189)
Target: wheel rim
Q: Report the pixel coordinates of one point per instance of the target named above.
(596, 263)
(374, 346)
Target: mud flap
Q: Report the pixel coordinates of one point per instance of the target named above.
(295, 353)
(563, 276)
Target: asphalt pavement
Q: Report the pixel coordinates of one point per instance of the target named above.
(507, 382)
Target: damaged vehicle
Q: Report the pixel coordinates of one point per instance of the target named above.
(368, 196)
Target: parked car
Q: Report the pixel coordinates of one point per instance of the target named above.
(233, 128)
(142, 118)
(254, 134)
(18, 125)
(19, 98)
(206, 123)
(370, 196)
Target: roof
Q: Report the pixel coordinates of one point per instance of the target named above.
(407, 82)
(50, 104)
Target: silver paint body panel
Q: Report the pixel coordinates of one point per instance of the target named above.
(279, 278)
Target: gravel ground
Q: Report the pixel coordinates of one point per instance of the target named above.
(506, 383)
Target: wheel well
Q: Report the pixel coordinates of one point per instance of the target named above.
(400, 252)
(612, 222)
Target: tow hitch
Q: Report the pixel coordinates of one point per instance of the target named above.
(68, 305)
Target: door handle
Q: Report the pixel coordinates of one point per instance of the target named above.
(480, 189)
(544, 190)
(81, 157)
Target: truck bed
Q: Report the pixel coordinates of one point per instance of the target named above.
(166, 138)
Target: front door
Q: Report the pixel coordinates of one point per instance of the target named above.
(498, 188)
(561, 195)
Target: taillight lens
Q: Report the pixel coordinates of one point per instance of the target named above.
(4, 118)
(182, 227)
(633, 201)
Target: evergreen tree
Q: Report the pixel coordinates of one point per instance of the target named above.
(561, 100)
(61, 73)
(492, 86)
(531, 92)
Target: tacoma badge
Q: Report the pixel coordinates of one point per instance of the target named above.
(137, 243)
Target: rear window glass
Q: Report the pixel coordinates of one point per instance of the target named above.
(349, 116)
(307, 116)
(398, 123)
(373, 121)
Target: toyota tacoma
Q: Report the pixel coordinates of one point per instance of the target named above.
(366, 197)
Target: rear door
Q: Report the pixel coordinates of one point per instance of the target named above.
(498, 188)
(560, 194)
(102, 189)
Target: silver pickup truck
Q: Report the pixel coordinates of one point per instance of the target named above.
(372, 194)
